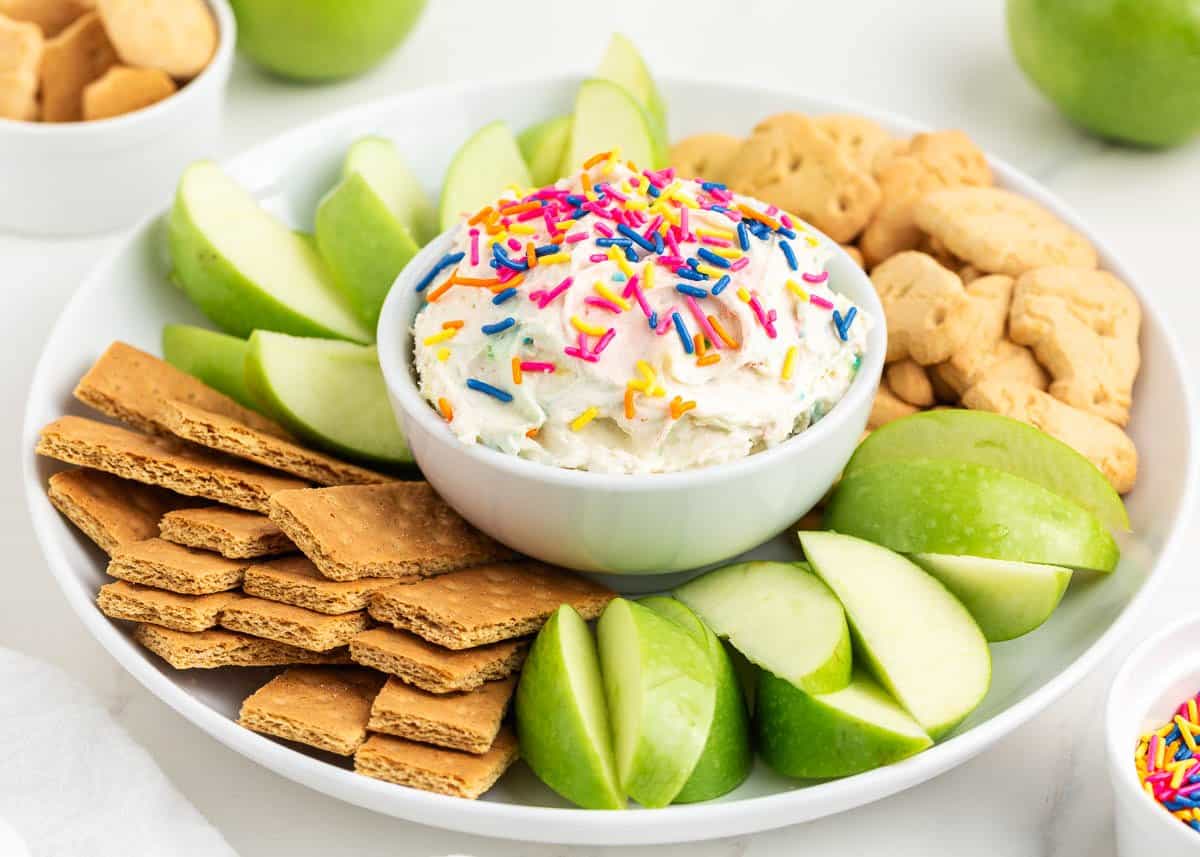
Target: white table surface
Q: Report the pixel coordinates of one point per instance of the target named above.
(1043, 790)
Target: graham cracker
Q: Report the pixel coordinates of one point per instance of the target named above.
(459, 721)
(434, 668)
(165, 565)
(219, 648)
(109, 510)
(323, 708)
(161, 461)
(136, 603)
(233, 533)
(134, 387)
(295, 580)
(395, 530)
(222, 433)
(488, 603)
(433, 769)
(295, 626)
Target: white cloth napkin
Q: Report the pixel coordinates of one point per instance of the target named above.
(72, 781)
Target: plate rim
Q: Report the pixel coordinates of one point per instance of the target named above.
(684, 823)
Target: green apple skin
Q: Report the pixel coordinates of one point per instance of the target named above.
(542, 145)
(932, 506)
(912, 635)
(217, 359)
(1123, 69)
(780, 616)
(837, 734)
(727, 757)
(978, 437)
(292, 291)
(1006, 599)
(661, 695)
(363, 244)
(608, 117)
(482, 169)
(330, 393)
(624, 66)
(322, 39)
(562, 721)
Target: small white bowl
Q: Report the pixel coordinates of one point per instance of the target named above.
(79, 178)
(620, 523)
(1160, 674)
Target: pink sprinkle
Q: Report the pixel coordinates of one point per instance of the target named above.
(715, 242)
(763, 318)
(653, 178)
(785, 220)
(817, 300)
(532, 214)
(1152, 753)
(634, 289)
(653, 227)
(1188, 791)
(735, 216)
(513, 244)
(506, 222)
(668, 173)
(683, 223)
(505, 274)
(613, 192)
(474, 246)
(635, 218)
(604, 340)
(721, 195)
(597, 257)
(597, 209)
(1159, 777)
(536, 366)
(602, 303)
(815, 278)
(604, 230)
(579, 353)
(635, 181)
(537, 296)
(549, 219)
(673, 244)
(698, 314)
(555, 292)
(575, 238)
(549, 192)
(664, 322)
(773, 210)
(671, 262)
(738, 264)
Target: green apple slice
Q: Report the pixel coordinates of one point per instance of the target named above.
(378, 161)
(978, 437)
(856, 729)
(661, 693)
(331, 393)
(624, 66)
(1007, 599)
(542, 145)
(916, 638)
(725, 762)
(780, 616)
(217, 359)
(934, 506)
(246, 270)
(562, 721)
(481, 171)
(607, 117)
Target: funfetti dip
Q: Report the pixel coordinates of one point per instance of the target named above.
(633, 322)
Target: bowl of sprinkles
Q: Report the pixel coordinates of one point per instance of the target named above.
(619, 339)
(1154, 744)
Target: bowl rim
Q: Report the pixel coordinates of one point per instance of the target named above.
(394, 343)
(211, 75)
(568, 825)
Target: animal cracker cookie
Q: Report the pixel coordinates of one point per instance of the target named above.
(887, 407)
(1000, 232)
(123, 89)
(909, 381)
(73, 59)
(51, 16)
(862, 140)
(926, 307)
(1098, 440)
(789, 162)
(705, 156)
(175, 36)
(21, 50)
(1083, 327)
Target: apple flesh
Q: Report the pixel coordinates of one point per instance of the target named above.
(486, 165)
(624, 66)
(977, 437)
(562, 720)
(661, 694)
(246, 270)
(1006, 599)
(856, 729)
(780, 616)
(542, 145)
(330, 393)
(608, 118)
(217, 359)
(914, 636)
(726, 759)
(933, 506)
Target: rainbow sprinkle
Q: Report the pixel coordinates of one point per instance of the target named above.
(1167, 767)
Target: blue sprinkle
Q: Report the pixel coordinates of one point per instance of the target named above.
(499, 327)
(843, 325)
(682, 330)
(743, 236)
(693, 262)
(631, 254)
(493, 264)
(575, 199)
(721, 284)
(790, 255)
(653, 191)
(712, 258)
(722, 209)
(653, 320)
(658, 241)
(494, 392)
(637, 239)
(613, 242)
(442, 264)
(1194, 824)
(758, 230)
(694, 291)
(690, 274)
(501, 297)
(712, 185)
(579, 214)
(545, 250)
(785, 232)
(1173, 736)
(502, 259)
(1182, 753)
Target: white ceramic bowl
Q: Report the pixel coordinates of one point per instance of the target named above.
(128, 296)
(1160, 674)
(83, 177)
(622, 523)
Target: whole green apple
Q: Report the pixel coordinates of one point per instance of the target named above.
(322, 39)
(1125, 69)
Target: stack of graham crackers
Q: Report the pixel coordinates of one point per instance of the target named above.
(402, 626)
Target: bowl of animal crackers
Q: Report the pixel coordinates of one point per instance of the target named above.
(101, 104)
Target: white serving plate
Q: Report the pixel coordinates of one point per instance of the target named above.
(129, 297)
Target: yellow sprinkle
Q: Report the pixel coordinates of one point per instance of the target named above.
(1186, 731)
(684, 198)
(669, 215)
(1164, 731)
(564, 225)
(625, 187)
(797, 290)
(636, 204)
(647, 370)
(1178, 775)
(789, 362)
(715, 273)
(639, 384)
(706, 232)
(657, 391)
(619, 257)
(522, 229)
(584, 418)
(1158, 757)
(812, 242)
(555, 259)
(609, 295)
(441, 336)
(590, 329)
(1182, 814)
(1192, 714)
(1148, 788)
(648, 276)
(443, 354)
(743, 294)
(725, 252)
